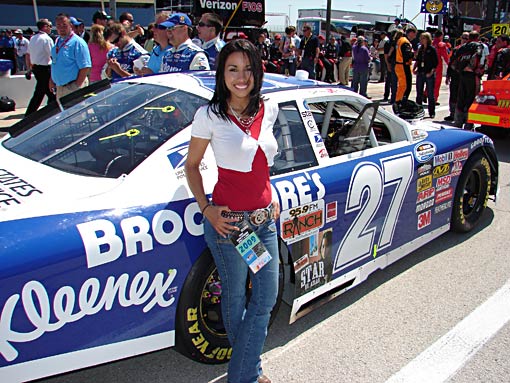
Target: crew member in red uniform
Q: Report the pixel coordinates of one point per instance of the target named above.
(442, 54)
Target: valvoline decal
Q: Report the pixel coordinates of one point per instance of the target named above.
(112, 276)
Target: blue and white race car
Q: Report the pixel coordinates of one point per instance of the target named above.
(102, 250)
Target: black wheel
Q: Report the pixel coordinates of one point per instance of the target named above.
(471, 194)
(200, 333)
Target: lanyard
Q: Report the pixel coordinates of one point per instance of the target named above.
(59, 46)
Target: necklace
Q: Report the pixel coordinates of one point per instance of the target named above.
(246, 122)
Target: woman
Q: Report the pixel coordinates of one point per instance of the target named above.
(98, 48)
(238, 124)
(424, 68)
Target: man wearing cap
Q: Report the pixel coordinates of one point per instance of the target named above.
(79, 28)
(101, 18)
(70, 57)
(38, 60)
(121, 58)
(159, 50)
(209, 28)
(21, 47)
(184, 54)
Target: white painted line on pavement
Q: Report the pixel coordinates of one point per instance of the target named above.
(445, 357)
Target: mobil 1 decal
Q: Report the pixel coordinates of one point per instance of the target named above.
(374, 202)
(312, 261)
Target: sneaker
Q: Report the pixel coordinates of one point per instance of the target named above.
(432, 115)
(449, 118)
(437, 103)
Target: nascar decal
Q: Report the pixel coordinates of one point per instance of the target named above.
(312, 261)
(424, 151)
(367, 188)
(301, 221)
(14, 190)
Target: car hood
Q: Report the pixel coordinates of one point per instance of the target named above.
(28, 188)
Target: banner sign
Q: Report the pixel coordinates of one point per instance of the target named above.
(500, 29)
(434, 6)
(235, 13)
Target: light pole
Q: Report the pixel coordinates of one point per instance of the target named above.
(290, 6)
(360, 6)
(403, 8)
(397, 6)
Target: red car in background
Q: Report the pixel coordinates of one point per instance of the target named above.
(492, 106)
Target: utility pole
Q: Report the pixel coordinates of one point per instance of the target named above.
(328, 20)
(113, 9)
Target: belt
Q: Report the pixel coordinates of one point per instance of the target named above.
(256, 217)
(42, 66)
(69, 83)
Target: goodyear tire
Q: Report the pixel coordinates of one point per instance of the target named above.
(471, 194)
(200, 334)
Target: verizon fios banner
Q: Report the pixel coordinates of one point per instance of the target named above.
(245, 13)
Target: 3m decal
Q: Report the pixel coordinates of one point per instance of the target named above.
(364, 197)
(441, 170)
(424, 219)
(423, 183)
(424, 151)
(302, 221)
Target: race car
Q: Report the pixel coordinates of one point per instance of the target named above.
(492, 106)
(103, 255)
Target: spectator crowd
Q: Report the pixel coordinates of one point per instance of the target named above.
(120, 48)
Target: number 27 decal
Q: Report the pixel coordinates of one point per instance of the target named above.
(364, 198)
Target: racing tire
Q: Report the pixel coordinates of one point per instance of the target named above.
(471, 194)
(199, 330)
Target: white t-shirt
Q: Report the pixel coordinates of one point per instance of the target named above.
(39, 49)
(234, 149)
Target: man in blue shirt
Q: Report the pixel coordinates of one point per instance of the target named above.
(184, 54)
(160, 49)
(70, 58)
(121, 58)
(209, 28)
(7, 51)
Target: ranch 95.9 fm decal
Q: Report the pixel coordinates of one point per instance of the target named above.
(302, 221)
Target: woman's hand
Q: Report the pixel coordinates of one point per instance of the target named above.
(221, 224)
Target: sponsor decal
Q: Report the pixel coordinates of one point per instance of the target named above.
(461, 154)
(323, 153)
(426, 194)
(443, 182)
(424, 219)
(318, 139)
(418, 134)
(424, 205)
(177, 157)
(443, 158)
(444, 195)
(424, 170)
(441, 170)
(423, 183)
(480, 141)
(301, 221)
(14, 190)
(456, 169)
(331, 211)
(443, 207)
(424, 151)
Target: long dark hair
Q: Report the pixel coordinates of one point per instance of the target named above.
(218, 103)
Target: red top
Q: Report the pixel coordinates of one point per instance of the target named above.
(242, 191)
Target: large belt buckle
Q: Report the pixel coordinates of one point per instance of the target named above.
(259, 216)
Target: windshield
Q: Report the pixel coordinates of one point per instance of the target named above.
(109, 133)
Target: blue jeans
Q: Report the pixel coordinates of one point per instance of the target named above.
(246, 326)
(360, 81)
(421, 80)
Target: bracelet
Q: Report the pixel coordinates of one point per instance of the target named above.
(206, 206)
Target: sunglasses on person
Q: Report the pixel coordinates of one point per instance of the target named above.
(116, 40)
(202, 24)
(464, 38)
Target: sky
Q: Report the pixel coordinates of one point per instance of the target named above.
(386, 7)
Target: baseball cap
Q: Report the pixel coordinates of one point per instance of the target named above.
(277, 36)
(75, 21)
(177, 19)
(242, 35)
(18, 31)
(100, 15)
